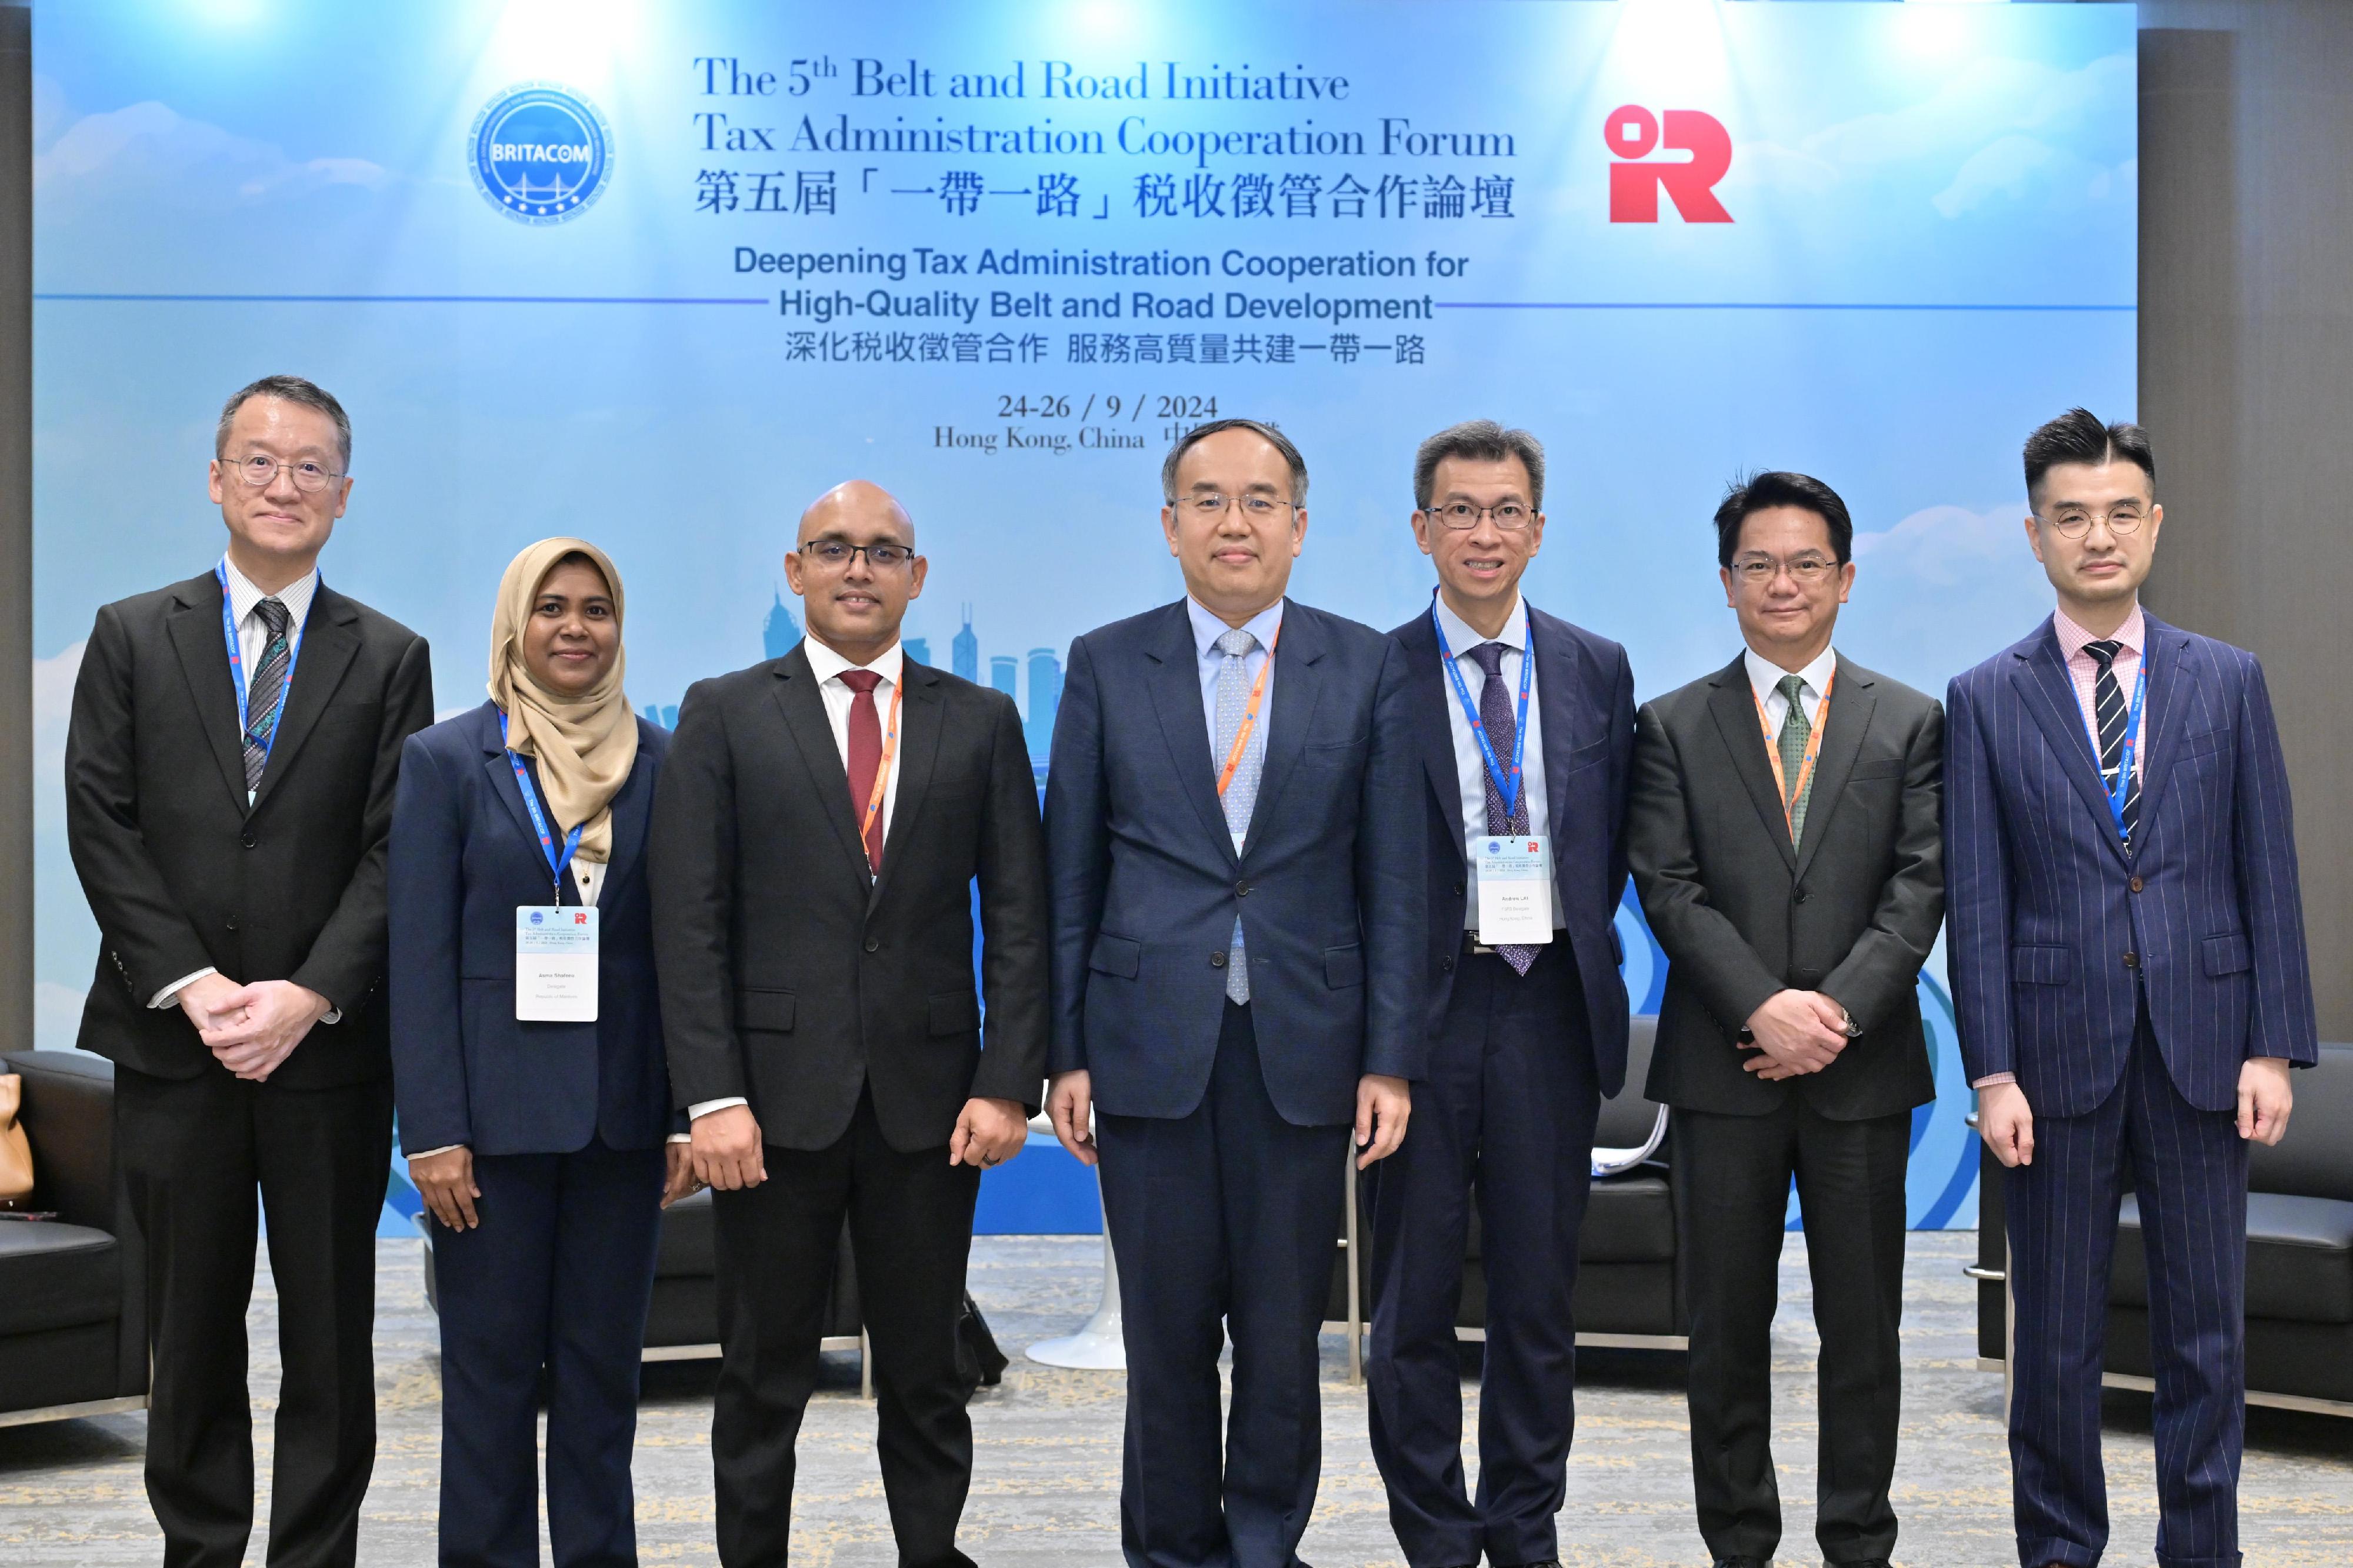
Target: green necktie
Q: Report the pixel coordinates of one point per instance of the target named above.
(1796, 730)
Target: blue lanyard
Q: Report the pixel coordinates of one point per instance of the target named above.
(1507, 785)
(2121, 789)
(557, 859)
(236, 667)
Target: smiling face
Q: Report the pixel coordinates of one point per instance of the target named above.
(1479, 567)
(1235, 561)
(573, 634)
(855, 607)
(2113, 505)
(1786, 585)
(276, 528)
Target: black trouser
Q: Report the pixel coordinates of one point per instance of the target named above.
(194, 1152)
(1731, 1195)
(1228, 1212)
(1507, 1110)
(910, 1234)
(558, 1275)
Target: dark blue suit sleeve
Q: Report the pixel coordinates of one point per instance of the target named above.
(425, 906)
(2282, 1023)
(1621, 784)
(1977, 892)
(1392, 879)
(1078, 853)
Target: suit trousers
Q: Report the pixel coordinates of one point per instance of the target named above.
(1232, 1213)
(2188, 1169)
(557, 1276)
(195, 1151)
(1507, 1112)
(1732, 1176)
(910, 1217)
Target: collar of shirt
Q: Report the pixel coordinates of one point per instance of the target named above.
(2072, 639)
(1461, 637)
(827, 665)
(243, 595)
(1765, 678)
(1207, 628)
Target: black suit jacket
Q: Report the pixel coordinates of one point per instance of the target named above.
(1851, 914)
(792, 977)
(179, 872)
(1585, 690)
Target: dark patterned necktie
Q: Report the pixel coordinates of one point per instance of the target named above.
(2108, 706)
(1497, 717)
(1797, 735)
(865, 757)
(264, 690)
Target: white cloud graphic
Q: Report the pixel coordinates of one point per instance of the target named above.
(1947, 545)
(53, 686)
(150, 154)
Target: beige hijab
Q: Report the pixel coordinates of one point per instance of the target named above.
(585, 744)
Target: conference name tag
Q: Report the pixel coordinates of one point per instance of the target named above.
(1514, 889)
(556, 964)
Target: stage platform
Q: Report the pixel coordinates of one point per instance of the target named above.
(1049, 1444)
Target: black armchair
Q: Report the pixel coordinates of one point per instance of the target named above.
(73, 1291)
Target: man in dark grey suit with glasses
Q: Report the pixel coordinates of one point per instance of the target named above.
(1784, 833)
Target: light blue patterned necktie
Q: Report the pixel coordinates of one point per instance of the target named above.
(1241, 792)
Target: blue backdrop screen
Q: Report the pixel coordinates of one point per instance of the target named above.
(659, 274)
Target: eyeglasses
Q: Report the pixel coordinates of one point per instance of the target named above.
(309, 477)
(1805, 571)
(1210, 503)
(2121, 520)
(1460, 515)
(836, 555)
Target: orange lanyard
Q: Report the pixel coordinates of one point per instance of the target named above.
(882, 770)
(1813, 751)
(1249, 718)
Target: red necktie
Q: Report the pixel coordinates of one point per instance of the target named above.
(865, 757)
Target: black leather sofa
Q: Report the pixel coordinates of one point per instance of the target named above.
(73, 1327)
(2300, 1260)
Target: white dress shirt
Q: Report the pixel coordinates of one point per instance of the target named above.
(828, 667)
(1766, 678)
(252, 641)
(1471, 766)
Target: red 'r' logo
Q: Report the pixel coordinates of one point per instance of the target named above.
(1632, 133)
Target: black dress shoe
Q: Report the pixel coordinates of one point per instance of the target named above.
(1742, 1563)
(1863, 1563)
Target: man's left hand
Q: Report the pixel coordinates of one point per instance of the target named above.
(2264, 1099)
(989, 1132)
(679, 1180)
(266, 1020)
(1384, 1105)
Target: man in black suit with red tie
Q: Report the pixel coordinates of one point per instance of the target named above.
(229, 777)
(815, 835)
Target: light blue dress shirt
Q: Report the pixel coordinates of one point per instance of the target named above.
(1207, 629)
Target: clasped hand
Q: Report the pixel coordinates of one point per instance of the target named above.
(1797, 1032)
(251, 1030)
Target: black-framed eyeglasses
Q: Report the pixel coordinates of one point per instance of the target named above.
(1210, 503)
(1461, 516)
(2121, 520)
(836, 555)
(1805, 571)
(309, 477)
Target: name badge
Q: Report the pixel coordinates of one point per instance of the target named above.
(556, 964)
(1514, 889)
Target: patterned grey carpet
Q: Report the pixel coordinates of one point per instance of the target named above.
(1047, 1486)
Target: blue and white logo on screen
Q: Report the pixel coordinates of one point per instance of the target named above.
(541, 153)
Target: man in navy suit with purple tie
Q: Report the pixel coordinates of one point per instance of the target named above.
(2126, 952)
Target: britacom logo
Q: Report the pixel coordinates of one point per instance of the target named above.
(1636, 178)
(541, 153)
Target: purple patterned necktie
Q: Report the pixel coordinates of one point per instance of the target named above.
(1496, 718)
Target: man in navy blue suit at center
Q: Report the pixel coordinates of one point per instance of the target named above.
(2127, 950)
(1529, 736)
(1236, 870)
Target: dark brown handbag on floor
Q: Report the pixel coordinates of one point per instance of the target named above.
(15, 1153)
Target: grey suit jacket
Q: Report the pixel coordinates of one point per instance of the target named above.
(1852, 913)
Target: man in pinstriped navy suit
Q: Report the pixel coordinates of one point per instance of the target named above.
(2126, 952)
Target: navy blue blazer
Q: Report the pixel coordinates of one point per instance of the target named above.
(2053, 926)
(1145, 884)
(1585, 690)
(464, 855)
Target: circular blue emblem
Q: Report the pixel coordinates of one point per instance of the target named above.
(542, 153)
(536, 917)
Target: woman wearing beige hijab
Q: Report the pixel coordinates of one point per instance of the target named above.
(528, 1064)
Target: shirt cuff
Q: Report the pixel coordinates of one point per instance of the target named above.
(682, 1138)
(427, 1153)
(702, 1108)
(1994, 1077)
(169, 994)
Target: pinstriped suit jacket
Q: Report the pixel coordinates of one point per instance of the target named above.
(2052, 924)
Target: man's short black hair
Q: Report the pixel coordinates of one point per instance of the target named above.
(1264, 432)
(293, 389)
(2078, 437)
(1774, 487)
(1481, 441)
